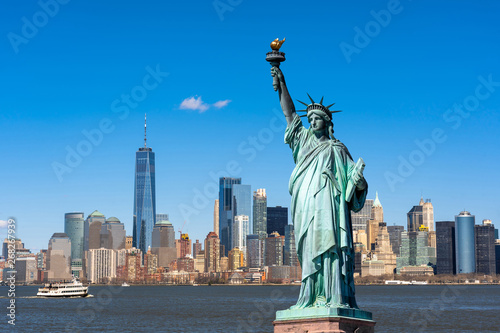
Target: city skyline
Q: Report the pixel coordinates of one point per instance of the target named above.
(423, 95)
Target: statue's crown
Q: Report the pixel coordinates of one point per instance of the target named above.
(318, 107)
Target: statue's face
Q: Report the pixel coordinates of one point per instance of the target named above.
(317, 122)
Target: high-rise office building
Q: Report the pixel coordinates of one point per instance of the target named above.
(59, 257)
(360, 239)
(163, 243)
(41, 258)
(101, 265)
(274, 249)
(129, 240)
(497, 256)
(196, 248)
(376, 217)
(360, 219)
(395, 237)
(255, 251)
(226, 211)
(236, 259)
(183, 246)
(377, 211)
(415, 250)
(144, 197)
(260, 213)
(113, 234)
(485, 248)
(242, 200)
(74, 227)
(416, 217)
(277, 219)
(26, 270)
(18, 245)
(212, 253)
(234, 199)
(163, 234)
(445, 247)
(464, 243)
(216, 216)
(92, 230)
(383, 249)
(240, 232)
(290, 254)
(428, 215)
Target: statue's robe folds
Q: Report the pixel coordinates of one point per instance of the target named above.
(321, 217)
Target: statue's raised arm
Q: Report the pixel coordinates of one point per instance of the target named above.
(285, 100)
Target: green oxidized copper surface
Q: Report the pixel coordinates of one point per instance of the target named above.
(322, 312)
(326, 185)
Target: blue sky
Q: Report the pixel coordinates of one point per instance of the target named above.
(418, 83)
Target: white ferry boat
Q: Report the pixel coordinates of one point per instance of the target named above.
(396, 282)
(419, 283)
(125, 284)
(60, 289)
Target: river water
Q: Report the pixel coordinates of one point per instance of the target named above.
(463, 308)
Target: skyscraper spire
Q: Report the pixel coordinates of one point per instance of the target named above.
(377, 203)
(145, 131)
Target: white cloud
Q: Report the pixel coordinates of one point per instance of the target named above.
(3, 224)
(192, 103)
(197, 104)
(221, 104)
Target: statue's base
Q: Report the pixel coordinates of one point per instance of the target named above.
(324, 320)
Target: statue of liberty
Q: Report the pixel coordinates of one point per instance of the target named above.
(326, 185)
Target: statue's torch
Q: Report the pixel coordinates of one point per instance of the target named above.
(275, 57)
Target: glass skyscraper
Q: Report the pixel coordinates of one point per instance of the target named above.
(74, 226)
(226, 212)
(260, 213)
(144, 197)
(277, 219)
(464, 243)
(445, 247)
(415, 250)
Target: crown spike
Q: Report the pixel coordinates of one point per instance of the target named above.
(321, 102)
(330, 105)
(336, 111)
(304, 115)
(312, 101)
(302, 110)
(302, 103)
